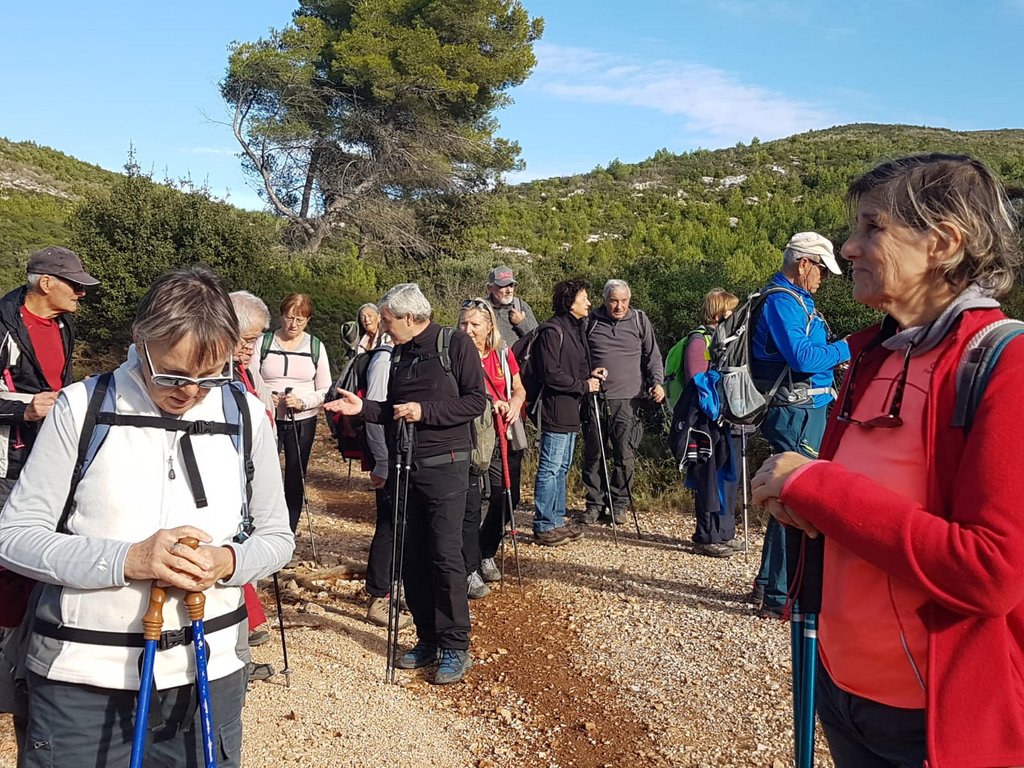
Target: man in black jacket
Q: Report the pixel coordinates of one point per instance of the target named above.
(35, 354)
(564, 361)
(35, 360)
(440, 397)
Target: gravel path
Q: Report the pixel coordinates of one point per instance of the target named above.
(639, 653)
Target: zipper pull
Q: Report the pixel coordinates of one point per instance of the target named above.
(170, 468)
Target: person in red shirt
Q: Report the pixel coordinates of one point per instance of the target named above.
(38, 338)
(507, 395)
(921, 625)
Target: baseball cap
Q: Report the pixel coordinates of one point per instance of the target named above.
(501, 277)
(812, 245)
(59, 262)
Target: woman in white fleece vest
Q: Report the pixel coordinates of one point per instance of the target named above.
(149, 485)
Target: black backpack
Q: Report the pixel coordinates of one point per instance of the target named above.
(744, 400)
(531, 369)
(349, 432)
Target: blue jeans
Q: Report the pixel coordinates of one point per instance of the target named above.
(786, 429)
(556, 450)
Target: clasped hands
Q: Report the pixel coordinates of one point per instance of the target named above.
(165, 560)
(768, 482)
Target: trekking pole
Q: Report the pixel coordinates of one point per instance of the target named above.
(399, 509)
(804, 566)
(153, 624)
(604, 467)
(302, 473)
(502, 426)
(287, 671)
(195, 602)
(746, 494)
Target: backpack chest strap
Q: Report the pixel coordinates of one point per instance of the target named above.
(198, 427)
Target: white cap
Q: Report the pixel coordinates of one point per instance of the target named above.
(812, 244)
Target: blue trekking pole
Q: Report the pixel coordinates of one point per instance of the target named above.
(196, 604)
(153, 624)
(804, 560)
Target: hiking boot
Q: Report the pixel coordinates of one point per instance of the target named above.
(574, 532)
(553, 538)
(258, 637)
(453, 666)
(589, 517)
(776, 612)
(475, 587)
(422, 654)
(736, 544)
(756, 596)
(259, 671)
(377, 613)
(714, 550)
(489, 570)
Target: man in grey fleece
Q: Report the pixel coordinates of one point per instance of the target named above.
(622, 341)
(515, 317)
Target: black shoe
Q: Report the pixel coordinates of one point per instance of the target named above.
(776, 612)
(420, 655)
(756, 596)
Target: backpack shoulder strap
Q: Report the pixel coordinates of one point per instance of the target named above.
(976, 365)
(314, 349)
(444, 343)
(268, 339)
(102, 397)
(591, 324)
(236, 411)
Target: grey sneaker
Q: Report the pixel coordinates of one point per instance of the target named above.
(377, 613)
(258, 637)
(453, 666)
(573, 531)
(475, 587)
(489, 570)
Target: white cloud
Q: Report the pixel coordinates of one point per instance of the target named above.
(210, 150)
(712, 102)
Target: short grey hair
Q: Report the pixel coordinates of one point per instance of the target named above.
(791, 258)
(616, 285)
(407, 300)
(32, 281)
(250, 310)
(189, 302)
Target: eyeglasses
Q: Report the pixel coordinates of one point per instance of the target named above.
(476, 304)
(295, 320)
(76, 287)
(249, 342)
(888, 420)
(176, 381)
(820, 265)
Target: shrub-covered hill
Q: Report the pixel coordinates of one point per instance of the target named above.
(39, 187)
(676, 225)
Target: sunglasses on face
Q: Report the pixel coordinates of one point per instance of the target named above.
(76, 287)
(177, 381)
(820, 265)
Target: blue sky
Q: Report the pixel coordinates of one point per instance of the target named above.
(614, 80)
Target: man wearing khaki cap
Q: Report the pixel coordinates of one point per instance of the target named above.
(515, 317)
(791, 340)
(38, 336)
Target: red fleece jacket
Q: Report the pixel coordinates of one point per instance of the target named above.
(965, 548)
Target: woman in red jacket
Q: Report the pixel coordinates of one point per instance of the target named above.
(921, 657)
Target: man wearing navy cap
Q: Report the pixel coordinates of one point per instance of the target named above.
(38, 336)
(515, 317)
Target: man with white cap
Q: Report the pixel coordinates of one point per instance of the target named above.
(791, 340)
(38, 337)
(515, 317)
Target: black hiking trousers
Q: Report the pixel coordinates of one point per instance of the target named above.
(433, 572)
